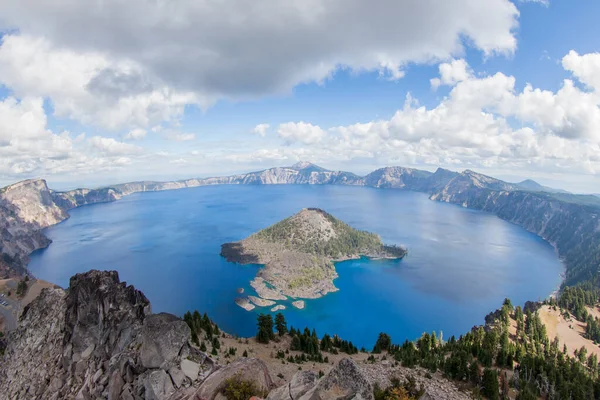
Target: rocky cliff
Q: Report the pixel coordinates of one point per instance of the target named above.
(570, 223)
(97, 339)
(25, 208)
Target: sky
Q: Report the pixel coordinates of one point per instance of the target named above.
(94, 93)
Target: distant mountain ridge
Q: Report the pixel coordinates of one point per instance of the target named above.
(567, 221)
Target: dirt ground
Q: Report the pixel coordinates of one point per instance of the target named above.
(9, 314)
(34, 290)
(594, 311)
(569, 332)
(268, 354)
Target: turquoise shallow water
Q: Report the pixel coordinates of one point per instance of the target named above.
(461, 263)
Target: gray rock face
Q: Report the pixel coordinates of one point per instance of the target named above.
(190, 368)
(96, 340)
(25, 208)
(248, 369)
(345, 381)
(158, 386)
(301, 383)
(163, 337)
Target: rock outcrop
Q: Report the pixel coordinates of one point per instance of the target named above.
(344, 381)
(25, 209)
(245, 369)
(98, 339)
(301, 383)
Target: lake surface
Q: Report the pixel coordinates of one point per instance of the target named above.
(461, 263)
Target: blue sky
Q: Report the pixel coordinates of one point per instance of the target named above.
(91, 99)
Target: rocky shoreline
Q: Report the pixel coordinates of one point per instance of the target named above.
(298, 255)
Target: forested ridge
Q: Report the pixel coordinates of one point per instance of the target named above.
(510, 356)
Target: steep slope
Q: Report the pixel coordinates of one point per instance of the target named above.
(399, 178)
(298, 253)
(96, 340)
(570, 223)
(25, 208)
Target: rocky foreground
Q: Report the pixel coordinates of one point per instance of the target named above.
(298, 255)
(99, 340)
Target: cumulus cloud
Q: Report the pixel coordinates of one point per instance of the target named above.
(452, 73)
(261, 129)
(88, 86)
(112, 147)
(293, 132)
(136, 134)
(28, 148)
(155, 58)
(474, 126)
(585, 68)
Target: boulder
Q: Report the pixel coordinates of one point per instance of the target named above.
(301, 383)
(163, 336)
(158, 386)
(247, 369)
(345, 381)
(190, 369)
(177, 376)
(115, 386)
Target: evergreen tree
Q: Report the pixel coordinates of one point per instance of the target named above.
(490, 384)
(384, 342)
(195, 338)
(265, 329)
(280, 324)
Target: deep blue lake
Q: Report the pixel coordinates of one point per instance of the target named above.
(461, 263)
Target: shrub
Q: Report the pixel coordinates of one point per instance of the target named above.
(236, 388)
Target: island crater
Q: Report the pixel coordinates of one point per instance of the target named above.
(298, 254)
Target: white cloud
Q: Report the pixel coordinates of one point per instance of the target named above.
(88, 86)
(261, 129)
(29, 149)
(472, 127)
(452, 73)
(113, 147)
(302, 132)
(136, 134)
(146, 65)
(585, 68)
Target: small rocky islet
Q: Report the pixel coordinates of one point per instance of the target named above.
(298, 254)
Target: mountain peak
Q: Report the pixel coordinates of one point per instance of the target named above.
(304, 165)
